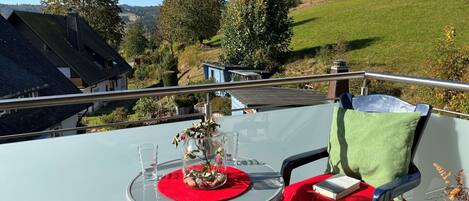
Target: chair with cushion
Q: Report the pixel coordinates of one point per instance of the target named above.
(373, 138)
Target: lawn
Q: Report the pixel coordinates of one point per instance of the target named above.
(384, 35)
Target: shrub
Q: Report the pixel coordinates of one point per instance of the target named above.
(167, 60)
(141, 72)
(328, 53)
(200, 97)
(146, 107)
(221, 105)
(118, 115)
(341, 47)
(448, 62)
(185, 100)
(169, 78)
(325, 55)
(257, 33)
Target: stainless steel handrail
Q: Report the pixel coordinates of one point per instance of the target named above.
(458, 114)
(124, 123)
(456, 85)
(166, 91)
(48, 101)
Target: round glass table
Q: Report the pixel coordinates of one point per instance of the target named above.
(267, 184)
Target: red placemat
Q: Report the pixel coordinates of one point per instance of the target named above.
(172, 186)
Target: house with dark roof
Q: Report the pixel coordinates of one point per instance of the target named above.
(227, 73)
(74, 48)
(25, 72)
(221, 73)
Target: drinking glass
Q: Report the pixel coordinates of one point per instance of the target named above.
(231, 144)
(148, 160)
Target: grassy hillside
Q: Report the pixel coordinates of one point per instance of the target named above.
(384, 35)
(190, 62)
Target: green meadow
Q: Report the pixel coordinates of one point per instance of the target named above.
(383, 35)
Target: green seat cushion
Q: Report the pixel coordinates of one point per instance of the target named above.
(374, 147)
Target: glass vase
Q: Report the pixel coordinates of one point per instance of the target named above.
(204, 162)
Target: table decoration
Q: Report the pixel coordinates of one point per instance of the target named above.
(173, 187)
(203, 153)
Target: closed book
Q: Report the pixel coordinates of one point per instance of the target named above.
(337, 187)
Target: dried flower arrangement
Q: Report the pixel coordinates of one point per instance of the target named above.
(457, 192)
(202, 142)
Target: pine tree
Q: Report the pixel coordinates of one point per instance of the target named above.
(134, 42)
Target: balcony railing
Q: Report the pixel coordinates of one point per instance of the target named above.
(100, 166)
(49, 101)
(167, 91)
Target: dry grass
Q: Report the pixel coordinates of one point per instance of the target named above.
(190, 63)
(309, 3)
(305, 66)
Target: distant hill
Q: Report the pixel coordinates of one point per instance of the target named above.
(147, 14)
(6, 9)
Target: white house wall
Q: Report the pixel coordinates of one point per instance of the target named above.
(121, 84)
(71, 122)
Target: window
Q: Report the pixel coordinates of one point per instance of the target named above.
(56, 134)
(212, 74)
(31, 94)
(113, 85)
(34, 94)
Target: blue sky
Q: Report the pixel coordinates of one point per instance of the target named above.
(130, 2)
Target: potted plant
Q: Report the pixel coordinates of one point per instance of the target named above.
(203, 155)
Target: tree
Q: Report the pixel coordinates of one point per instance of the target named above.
(167, 60)
(449, 62)
(102, 15)
(167, 66)
(257, 32)
(134, 42)
(120, 114)
(151, 107)
(146, 107)
(189, 21)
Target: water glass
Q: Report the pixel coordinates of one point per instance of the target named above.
(148, 160)
(231, 146)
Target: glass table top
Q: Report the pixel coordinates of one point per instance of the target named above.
(267, 184)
